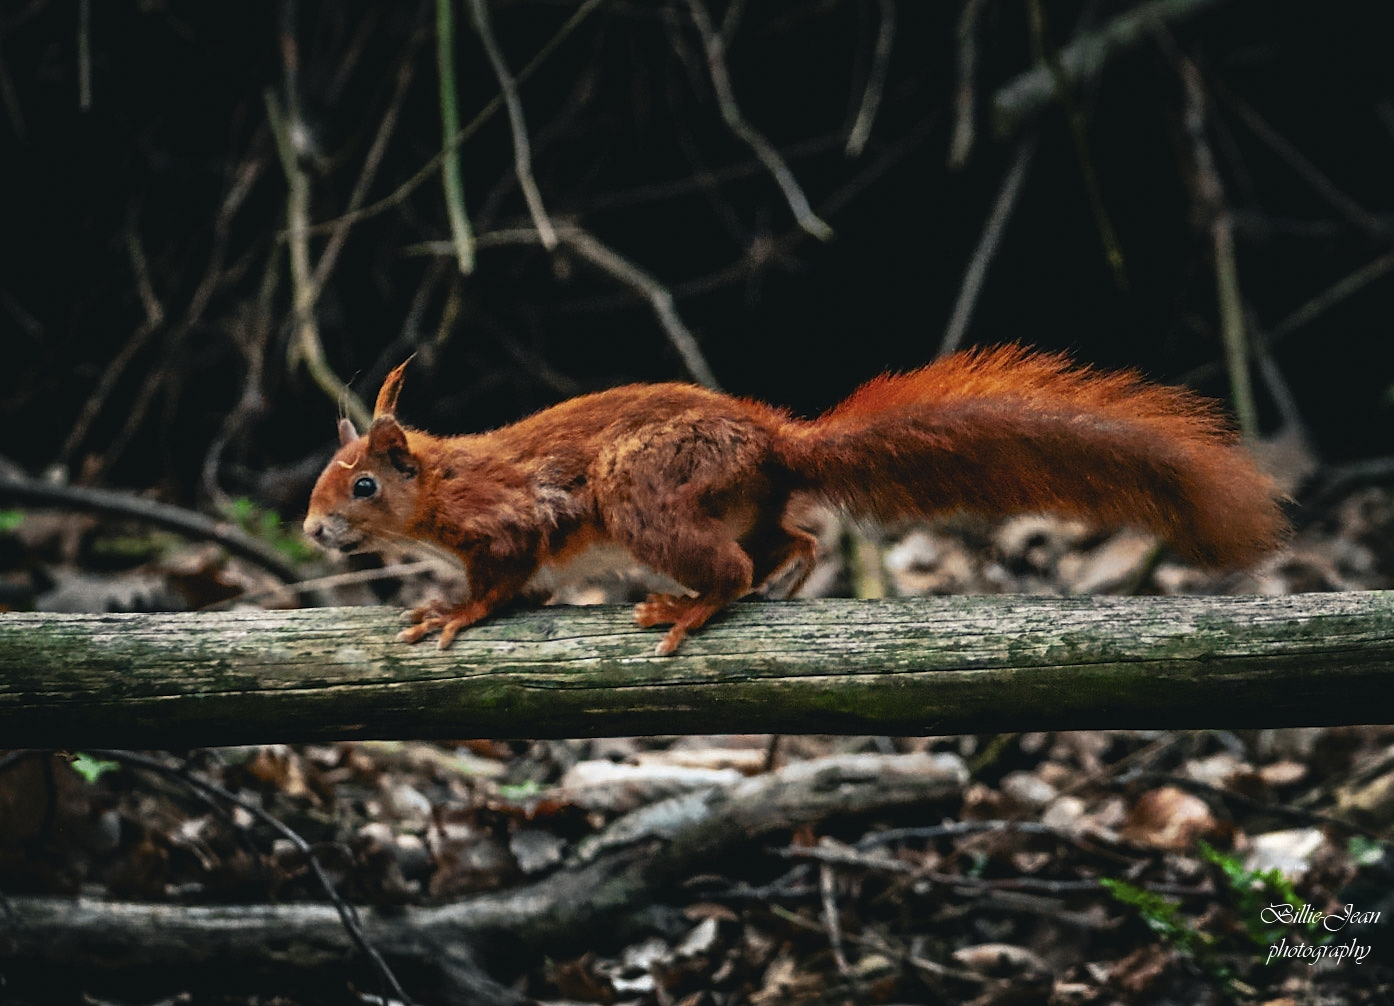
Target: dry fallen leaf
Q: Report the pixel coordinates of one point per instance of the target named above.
(1170, 818)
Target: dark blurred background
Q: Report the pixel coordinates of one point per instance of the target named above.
(146, 290)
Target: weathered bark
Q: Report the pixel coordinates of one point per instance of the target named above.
(626, 868)
(923, 666)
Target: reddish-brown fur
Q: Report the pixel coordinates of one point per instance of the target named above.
(702, 486)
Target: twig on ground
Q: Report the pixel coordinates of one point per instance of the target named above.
(844, 856)
(937, 970)
(209, 790)
(959, 829)
(731, 114)
(334, 580)
(605, 881)
(827, 889)
(1230, 797)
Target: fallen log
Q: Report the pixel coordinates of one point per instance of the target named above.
(897, 667)
(626, 868)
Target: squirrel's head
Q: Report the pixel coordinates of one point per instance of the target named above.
(369, 488)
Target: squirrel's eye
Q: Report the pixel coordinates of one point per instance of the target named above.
(364, 486)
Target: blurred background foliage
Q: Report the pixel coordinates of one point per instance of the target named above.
(154, 323)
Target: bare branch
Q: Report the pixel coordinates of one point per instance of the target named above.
(338, 234)
(875, 81)
(1210, 194)
(1322, 185)
(305, 345)
(621, 270)
(988, 242)
(451, 176)
(1333, 295)
(84, 55)
(154, 318)
(730, 112)
(33, 492)
(660, 298)
(522, 152)
(429, 169)
(965, 92)
(400, 570)
(213, 793)
(1027, 95)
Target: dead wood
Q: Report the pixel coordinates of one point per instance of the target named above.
(888, 667)
(628, 867)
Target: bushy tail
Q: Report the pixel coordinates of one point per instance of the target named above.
(1006, 431)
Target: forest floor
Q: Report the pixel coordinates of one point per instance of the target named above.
(1074, 867)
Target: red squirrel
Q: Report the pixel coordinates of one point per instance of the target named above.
(704, 487)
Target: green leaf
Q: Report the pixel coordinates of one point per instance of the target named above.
(1365, 851)
(520, 791)
(91, 768)
(1253, 891)
(11, 520)
(268, 526)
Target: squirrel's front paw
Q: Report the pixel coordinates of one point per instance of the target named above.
(424, 627)
(439, 615)
(427, 617)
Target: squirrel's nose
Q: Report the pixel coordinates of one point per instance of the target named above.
(315, 529)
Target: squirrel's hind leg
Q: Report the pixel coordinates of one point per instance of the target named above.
(784, 552)
(784, 558)
(684, 614)
(700, 554)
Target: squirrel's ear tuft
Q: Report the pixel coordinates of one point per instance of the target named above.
(347, 434)
(386, 439)
(391, 388)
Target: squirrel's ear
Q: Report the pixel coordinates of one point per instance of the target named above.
(387, 439)
(391, 388)
(347, 434)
